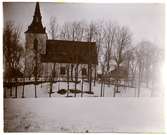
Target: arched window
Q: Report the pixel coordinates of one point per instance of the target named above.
(62, 70)
(84, 72)
(35, 44)
(37, 20)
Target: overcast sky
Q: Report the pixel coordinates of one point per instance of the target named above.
(145, 21)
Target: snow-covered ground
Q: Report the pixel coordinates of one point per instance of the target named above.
(155, 91)
(96, 114)
(144, 115)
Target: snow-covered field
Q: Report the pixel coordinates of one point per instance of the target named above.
(144, 115)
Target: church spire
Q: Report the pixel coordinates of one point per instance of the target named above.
(36, 25)
(37, 13)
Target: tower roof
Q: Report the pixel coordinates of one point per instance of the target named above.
(36, 25)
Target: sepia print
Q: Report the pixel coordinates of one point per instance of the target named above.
(83, 67)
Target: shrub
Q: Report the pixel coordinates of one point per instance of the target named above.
(62, 91)
(74, 91)
(88, 92)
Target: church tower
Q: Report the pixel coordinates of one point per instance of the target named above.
(35, 32)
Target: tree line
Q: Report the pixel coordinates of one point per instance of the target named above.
(115, 50)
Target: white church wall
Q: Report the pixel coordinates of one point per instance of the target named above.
(30, 37)
(30, 53)
(48, 69)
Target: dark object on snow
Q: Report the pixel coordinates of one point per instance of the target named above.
(69, 96)
(62, 91)
(89, 92)
(75, 91)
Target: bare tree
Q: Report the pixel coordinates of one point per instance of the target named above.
(102, 78)
(77, 31)
(99, 38)
(121, 46)
(91, 32)
(109, 40)
(35, 73)
(141, 59)
(73, 31)
(54, 28)
(140, 69)
(23, 70)
(123, 42)
(54, 32)
(132, 65)
(12, 54)
(148, 55)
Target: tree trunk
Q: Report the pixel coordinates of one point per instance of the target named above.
(117, 86)
(35, 91)
(10, 81)
(132, 81)
(138, 95)
(52, 80)
(51, 86)
(10, 91)
(35, 86)
(15, 87)
(101, 87)
(147, 80)
(72, 66)
(90, 77)
(41, 83)
(95, 75)
(23, 88)
(104, 86)
(36, 64)
(114, 93)
(139, 80)
(23, 92)
(68, 83)
(82, 88)
(76, 78)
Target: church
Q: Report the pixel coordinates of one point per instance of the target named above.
(58, 58)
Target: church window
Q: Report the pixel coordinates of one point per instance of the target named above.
(84, 71)
(62, 70)
(37, 20)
